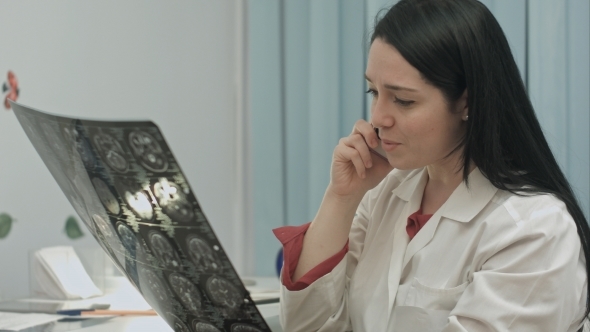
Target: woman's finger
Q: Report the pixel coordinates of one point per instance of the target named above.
(366, 130)
(357, 142)
(350, 154)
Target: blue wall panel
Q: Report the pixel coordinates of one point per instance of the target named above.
(558, 84)
(511, 14)
(266, 125)
(297, 50)
(324, 98)
(578, 99)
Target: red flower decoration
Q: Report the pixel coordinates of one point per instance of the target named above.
(11, 89)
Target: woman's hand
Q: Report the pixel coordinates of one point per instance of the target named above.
(355, 170)
(355, 167)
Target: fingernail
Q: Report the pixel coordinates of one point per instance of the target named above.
(369, 164)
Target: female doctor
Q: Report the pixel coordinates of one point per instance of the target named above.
(468, 224)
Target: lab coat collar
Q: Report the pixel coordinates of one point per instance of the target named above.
(415, 181)
(464, 204)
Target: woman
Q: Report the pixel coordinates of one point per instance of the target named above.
(469, 224)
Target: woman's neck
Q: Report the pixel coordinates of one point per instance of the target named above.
(443, 178)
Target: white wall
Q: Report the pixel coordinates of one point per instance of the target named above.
(178, 63)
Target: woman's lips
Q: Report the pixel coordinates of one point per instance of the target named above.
(389, 145)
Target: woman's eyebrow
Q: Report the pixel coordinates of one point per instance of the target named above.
(393, 86)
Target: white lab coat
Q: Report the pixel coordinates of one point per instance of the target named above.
(487, 260)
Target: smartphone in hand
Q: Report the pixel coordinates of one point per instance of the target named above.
(379, 150)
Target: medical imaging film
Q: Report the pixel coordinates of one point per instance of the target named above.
(127, 187)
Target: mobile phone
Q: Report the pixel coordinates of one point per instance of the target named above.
(379, 150)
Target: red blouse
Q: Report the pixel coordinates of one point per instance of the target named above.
(416, 221)
(292, 239)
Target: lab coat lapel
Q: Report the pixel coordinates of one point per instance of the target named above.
(410, 191)
(462, 206)
(422, 238)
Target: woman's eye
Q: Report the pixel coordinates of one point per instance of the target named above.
(372, 92)
(403, 102)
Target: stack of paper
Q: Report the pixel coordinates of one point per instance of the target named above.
(58, 274)
(18, 322)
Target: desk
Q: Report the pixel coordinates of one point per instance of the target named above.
(121, 295)
(156, 323)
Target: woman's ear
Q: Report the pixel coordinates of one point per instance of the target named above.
(462, 106)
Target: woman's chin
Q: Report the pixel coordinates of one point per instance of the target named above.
(397, 164)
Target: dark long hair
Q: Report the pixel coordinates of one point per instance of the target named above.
(458, 45)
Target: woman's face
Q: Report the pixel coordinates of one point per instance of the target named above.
(416, 125)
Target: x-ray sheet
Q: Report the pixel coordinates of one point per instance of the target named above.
(126, 186)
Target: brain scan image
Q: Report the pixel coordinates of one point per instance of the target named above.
(177, 324)
(106, 196)
(139, 202)
(201, 254)
(153, 287)
(101, 225)
(187, 292)
(128, 238)
(112, 152)
(123, 181)
(223, 292)
(204, 327)
(241, 327)
(81, 147)
(147, 150)
(173, 201)
(164, 251)
(108, 232)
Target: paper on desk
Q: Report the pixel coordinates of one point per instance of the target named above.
(263, 289)
(265, 295)
(10, 321)
(60, 274)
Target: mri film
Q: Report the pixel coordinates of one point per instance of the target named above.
(128, 238)
(201, 254)
(223, 293)
(172, 200)
(163, 250)
(204, 327)
(240, 327)
(107, 198)
(81, 146)
(103, 226)
(125, 184)
(147, 151)
(187, 292)
(111, 151)
(153, 287)
(177, 324)
(137, 200)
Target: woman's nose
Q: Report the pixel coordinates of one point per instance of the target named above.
(381, 115)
